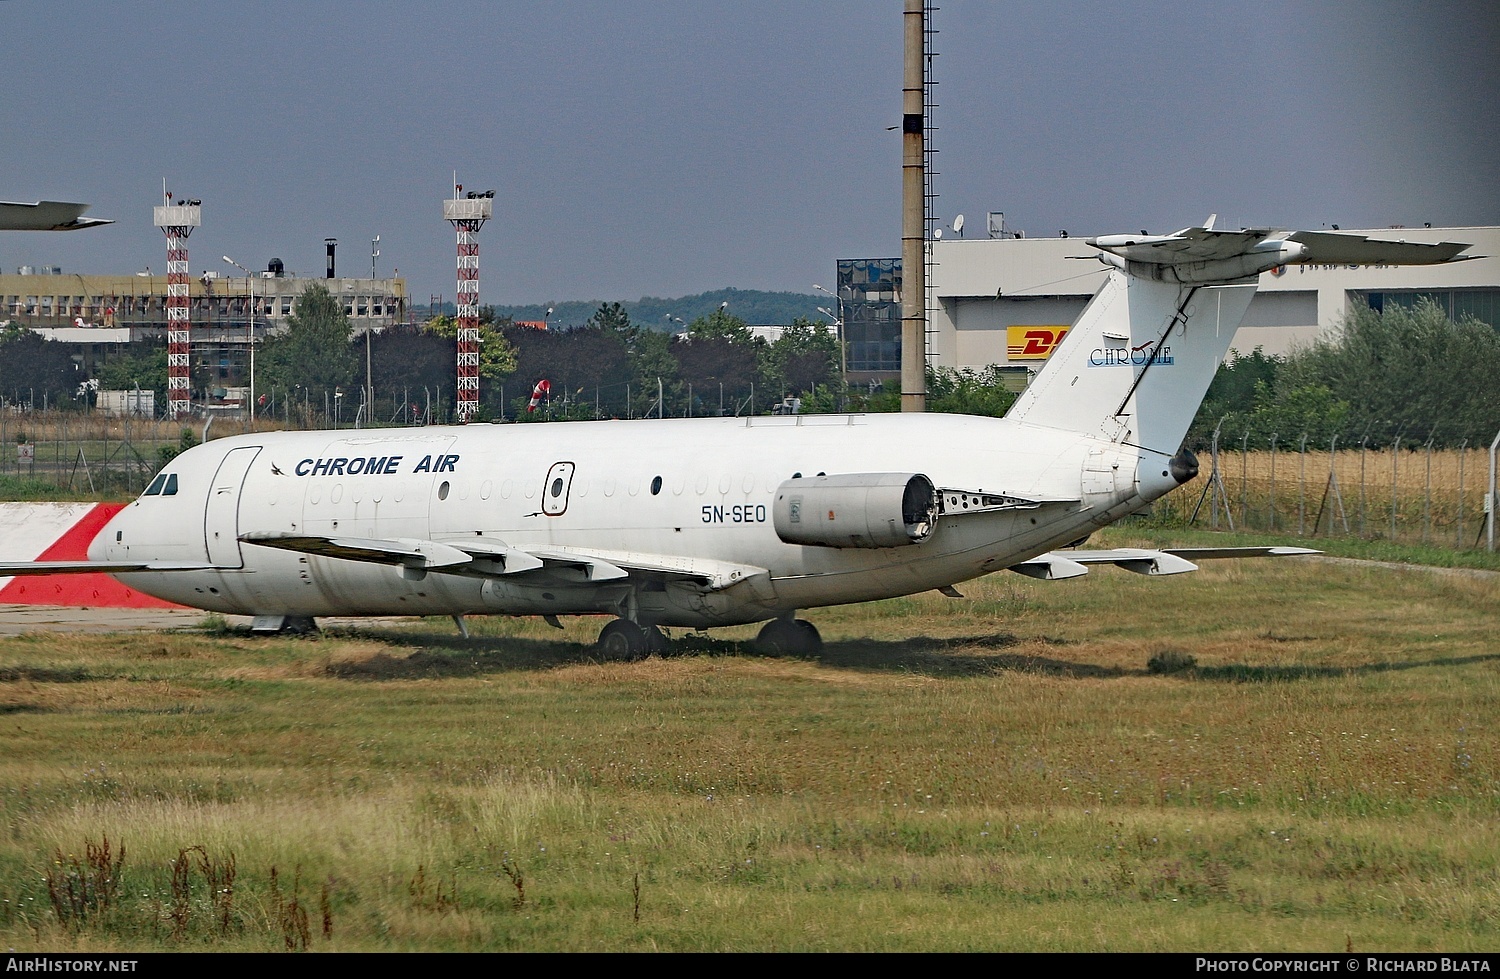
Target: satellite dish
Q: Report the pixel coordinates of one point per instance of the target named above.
(958, 225)
(937, 233)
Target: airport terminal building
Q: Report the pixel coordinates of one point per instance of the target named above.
(1006, 300)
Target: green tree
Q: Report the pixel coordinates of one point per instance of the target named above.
(613, 317)
(804, 356)
(141, 365)
(651, 360)
(1407, 371)
(313, 353)
(968, 392)
(34, 368)
(722, 325)
(1232, 395)
(497, 356)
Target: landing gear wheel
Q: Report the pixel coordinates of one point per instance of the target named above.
(286, 625)
(657, 642)
(789, 637)
(622, 640)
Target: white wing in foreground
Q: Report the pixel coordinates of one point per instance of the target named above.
(1168, 560)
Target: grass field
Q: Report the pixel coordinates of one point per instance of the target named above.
(999, 772)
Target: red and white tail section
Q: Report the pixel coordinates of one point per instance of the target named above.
(61, 532)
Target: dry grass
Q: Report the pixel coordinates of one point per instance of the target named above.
(1435, 495)
(997, 773)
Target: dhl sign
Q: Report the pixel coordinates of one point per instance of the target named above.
(1032, 342)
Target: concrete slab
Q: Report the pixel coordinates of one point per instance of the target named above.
(16, 620)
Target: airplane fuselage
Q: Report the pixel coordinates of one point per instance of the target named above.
(692, 490)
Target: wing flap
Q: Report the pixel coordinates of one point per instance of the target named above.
(711, 574)
(406, 551)
(1049, 567)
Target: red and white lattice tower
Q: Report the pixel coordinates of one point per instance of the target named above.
(468, 214)
(178, 221)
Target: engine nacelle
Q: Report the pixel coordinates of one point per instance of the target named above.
(856, 510)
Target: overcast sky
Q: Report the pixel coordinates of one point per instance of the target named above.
(665, 148)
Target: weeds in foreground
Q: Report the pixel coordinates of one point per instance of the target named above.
(430, 897)
(289, 916)
(517, 881)
(79, 889)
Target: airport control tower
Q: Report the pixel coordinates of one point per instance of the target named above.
(468, 214)
(177, 221)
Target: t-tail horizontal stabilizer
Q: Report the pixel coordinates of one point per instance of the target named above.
(1136, 365)
(1203, 256)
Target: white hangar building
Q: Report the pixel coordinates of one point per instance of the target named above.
(1001, 301)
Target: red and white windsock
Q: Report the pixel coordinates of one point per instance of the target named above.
(542, 389)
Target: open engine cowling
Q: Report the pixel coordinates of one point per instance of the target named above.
(856, 510)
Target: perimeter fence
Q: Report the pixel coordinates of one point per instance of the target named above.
(1406, 491)
(91, 452)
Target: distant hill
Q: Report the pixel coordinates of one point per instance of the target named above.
(754, 306)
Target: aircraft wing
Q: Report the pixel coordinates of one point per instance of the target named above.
(405, 551)
(16, 569)
(487, 557)
(1068, 563)
(46, 216)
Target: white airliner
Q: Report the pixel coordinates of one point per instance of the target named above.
(722, 521)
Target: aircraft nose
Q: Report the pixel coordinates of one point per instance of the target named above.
(103, 546)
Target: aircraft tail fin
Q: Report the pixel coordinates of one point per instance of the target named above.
(1136, 365)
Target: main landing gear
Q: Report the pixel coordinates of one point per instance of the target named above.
(627, 641)
(287, 625)
(789, 637)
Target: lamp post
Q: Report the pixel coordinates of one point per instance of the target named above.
(250, 330)
(839, 320)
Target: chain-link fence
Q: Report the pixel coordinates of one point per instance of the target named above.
(1407, 491)
(91, 453)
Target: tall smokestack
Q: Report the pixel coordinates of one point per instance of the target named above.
(332, 243)
(913, 232)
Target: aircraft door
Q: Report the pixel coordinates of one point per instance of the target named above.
(221, 517)
(555, 492)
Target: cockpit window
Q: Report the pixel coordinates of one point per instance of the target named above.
(171, 488)
(156, 485)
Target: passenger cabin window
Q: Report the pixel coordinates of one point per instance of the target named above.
(656, 486)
